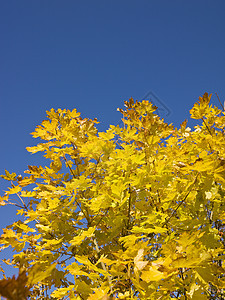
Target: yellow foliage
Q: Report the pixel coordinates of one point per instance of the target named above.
(136, 212)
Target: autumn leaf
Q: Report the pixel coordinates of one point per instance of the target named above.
(15, 288)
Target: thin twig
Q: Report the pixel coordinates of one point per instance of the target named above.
(20, 198)
(74, 176)
(207, 127)
(22, 201)
(182, 276)
(129, 208)
(71, 171)
(220, 102)
(175, 210)
(78, 172)
(102, 263)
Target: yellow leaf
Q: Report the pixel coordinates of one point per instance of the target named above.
(208, 195)
(9, 176)
(39, 273)
(78, 239)
(61, 292)
(8, 233)
(14, 190)
(139, 264)
(83, 288)
(155, 230)
(152, 275)
(98, 295)
(76, 270)
(74, 113)
(25, 228)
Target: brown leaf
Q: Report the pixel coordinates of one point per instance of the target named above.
(15, 288)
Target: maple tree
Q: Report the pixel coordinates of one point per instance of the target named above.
(135, 212)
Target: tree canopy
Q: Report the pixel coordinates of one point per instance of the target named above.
(135, 212)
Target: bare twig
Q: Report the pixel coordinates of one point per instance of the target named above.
(223, 106)
(182, 277)
(102, 264)
(71, 171)
(175, 210)
(207, 127)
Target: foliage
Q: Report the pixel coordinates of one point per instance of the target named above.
(15, 288)
(135, 212)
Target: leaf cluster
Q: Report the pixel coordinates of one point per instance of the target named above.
(136, 212)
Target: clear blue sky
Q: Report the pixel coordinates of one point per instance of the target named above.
(93, 55)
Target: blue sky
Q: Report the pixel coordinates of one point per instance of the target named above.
(93, 55)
